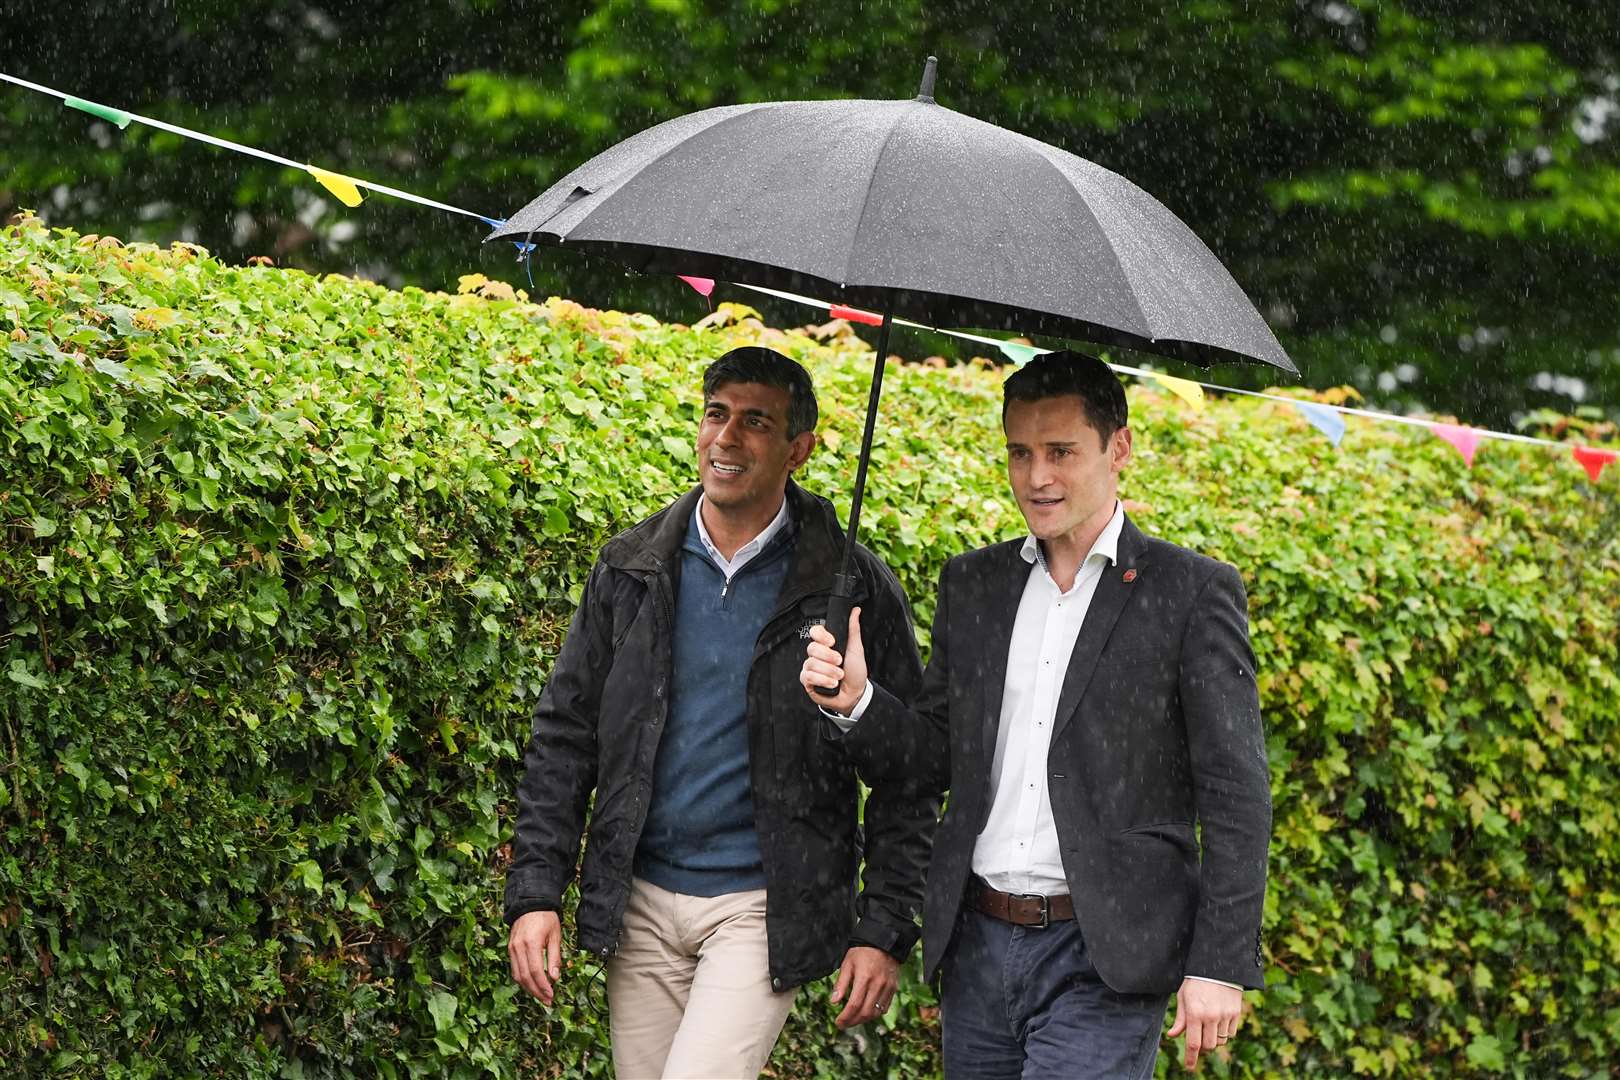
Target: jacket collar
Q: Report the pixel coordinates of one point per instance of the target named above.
(652, 546)
(1004, 590)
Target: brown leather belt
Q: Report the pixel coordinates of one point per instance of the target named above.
(1020, 909)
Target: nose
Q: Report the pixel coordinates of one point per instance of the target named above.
(1040, 473)
(728, 434)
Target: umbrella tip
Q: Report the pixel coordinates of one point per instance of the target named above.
(926, 93)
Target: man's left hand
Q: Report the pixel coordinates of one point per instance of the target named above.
(868, 978)
(1209, 1013)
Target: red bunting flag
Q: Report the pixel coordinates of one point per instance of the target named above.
(839, 311)
(1466, 440)
(1593, 460)
(704, 285)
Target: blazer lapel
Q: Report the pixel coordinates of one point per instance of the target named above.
(1113, 590)
(1003, 590)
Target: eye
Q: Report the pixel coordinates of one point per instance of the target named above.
(1061, 452)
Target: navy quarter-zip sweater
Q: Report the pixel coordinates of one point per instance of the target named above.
(699, 838)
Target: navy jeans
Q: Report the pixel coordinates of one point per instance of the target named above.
(1022, 1002)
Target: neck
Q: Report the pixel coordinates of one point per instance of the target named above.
(1065, 553)
(731, 528)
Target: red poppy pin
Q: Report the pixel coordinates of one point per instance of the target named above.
(1130, 575)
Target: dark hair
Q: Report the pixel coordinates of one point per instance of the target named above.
(1056, 374)
(755, 364)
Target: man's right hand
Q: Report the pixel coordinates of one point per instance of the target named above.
(824, 667)
(535, 949)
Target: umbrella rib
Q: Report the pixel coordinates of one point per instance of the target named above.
(1040, 152)
(866, 200)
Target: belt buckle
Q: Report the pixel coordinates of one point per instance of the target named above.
(1046, 908)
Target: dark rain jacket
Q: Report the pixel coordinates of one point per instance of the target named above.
(598, 723)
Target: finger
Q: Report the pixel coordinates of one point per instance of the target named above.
(854, 626)
(553, 947)
(1180, 1020)
(520, 969)
(1194, 1045)
(856, 1005)
(845, 974)
(824, 653)
(535, 956)
(821, 635)
(820, 671)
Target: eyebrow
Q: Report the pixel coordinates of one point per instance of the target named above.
(707, 405)
(1025, 446)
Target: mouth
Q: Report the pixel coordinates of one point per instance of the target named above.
(1045, 503)
(723, 469)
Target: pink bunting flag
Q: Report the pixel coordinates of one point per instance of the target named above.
(1593, 460)
(704, 285)
(839, 311)
(1466, 440)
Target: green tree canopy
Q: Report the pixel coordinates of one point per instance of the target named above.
(1424, 198)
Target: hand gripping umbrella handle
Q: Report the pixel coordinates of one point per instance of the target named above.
(839, 605)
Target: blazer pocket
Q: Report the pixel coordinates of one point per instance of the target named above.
(1180, 833)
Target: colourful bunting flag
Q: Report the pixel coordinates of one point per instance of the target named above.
(1465, 439)
(1185, 389)
(839, 311)
(1593, 460)
(704, 285)
(347, 192)
(1018, 352)
(118, 117)
(1326, 419)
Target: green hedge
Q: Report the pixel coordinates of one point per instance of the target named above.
(285, 560)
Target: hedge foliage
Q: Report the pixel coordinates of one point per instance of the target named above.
(285, 560)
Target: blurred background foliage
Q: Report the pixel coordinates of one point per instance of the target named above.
(1422, 197)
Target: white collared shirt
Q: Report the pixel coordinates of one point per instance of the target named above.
(1018, 850)
(740, 557)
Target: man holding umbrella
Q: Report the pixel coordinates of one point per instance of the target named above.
(723, 852)
(1091, 703)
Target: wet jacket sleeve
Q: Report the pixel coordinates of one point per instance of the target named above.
(1231, 783)
(559, 766)
(902, 807)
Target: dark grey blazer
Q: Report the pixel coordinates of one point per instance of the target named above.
(1157, 768)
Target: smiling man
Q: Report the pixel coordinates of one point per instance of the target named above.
(722, 864)
(1091, 702)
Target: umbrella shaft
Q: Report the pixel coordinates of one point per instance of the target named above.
(843, 581)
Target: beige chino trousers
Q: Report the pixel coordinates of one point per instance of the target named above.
(689, 991)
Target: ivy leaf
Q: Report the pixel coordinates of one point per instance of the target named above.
(1485, 1052)
(443, 1007)
(20, 675)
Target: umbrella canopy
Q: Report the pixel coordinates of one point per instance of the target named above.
(909, 208)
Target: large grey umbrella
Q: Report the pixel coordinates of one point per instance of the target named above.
(908, 209)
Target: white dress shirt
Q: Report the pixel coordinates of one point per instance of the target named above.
(1018, 851)
(740, 557)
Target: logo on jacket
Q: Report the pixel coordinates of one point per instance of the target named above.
(804, 631)
(1130, 575)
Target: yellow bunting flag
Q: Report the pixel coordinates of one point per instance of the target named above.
(1186, 390)
(347, 192)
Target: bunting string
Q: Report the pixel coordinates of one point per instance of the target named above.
(1326, 418)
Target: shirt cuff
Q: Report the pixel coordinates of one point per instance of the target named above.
(1217, 982)
(846, 722)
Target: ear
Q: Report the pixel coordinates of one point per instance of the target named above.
(802, 445)
(1119, 449)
